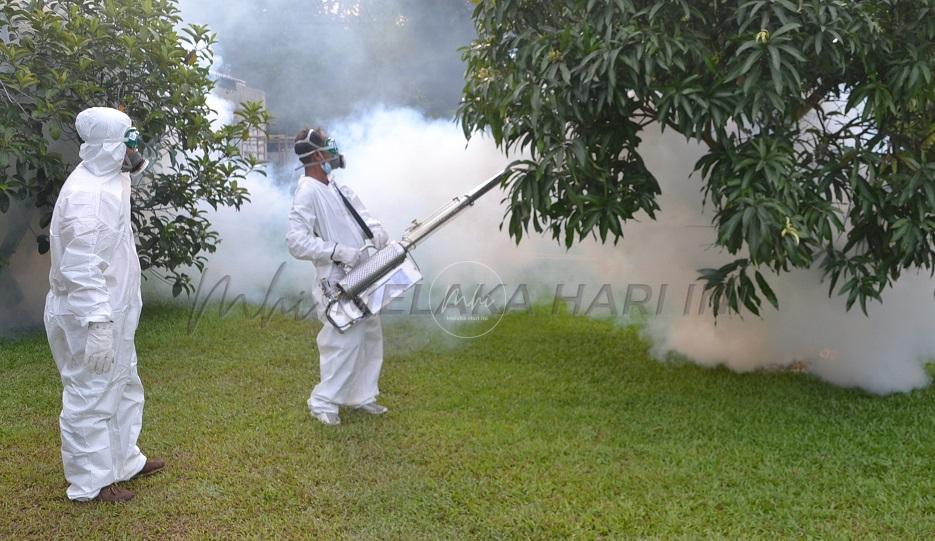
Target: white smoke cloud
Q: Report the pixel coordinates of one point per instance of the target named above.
(882, 354)
(223, 111)
(404, 166)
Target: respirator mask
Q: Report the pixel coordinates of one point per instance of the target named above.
(133, 162)
(331, 147)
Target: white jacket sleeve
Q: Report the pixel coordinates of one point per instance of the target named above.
(359, 206)
(301, 239)
(88, 234)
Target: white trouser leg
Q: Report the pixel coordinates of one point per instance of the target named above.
(129, 423)
(101, 413)
(350, 366)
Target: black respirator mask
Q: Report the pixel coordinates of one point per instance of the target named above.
(336, 161)
(133, 162)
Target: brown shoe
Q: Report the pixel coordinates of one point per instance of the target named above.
(153, 465)
(113, 493)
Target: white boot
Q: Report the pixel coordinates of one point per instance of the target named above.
(330, 419)
(373, 408)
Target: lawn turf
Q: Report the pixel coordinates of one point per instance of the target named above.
(549, 427)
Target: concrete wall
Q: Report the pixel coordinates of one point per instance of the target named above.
(24, 281)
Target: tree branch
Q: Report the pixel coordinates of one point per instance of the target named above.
(9, 97)
(813, 100)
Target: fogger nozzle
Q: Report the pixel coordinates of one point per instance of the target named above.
(419, 231)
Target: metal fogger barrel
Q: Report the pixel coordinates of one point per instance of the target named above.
(390, 257)
(369, 287)
(366, 274)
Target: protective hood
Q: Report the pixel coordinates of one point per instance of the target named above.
(102, 129)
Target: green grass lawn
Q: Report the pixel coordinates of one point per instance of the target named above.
(549, 427)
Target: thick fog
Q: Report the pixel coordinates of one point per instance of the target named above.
(322, 60)
(385, 77)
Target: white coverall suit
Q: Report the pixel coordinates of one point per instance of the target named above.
(95, 277)
(350, 362)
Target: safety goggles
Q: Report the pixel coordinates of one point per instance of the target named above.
(330, 145)
(132, 138)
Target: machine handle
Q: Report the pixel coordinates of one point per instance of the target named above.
(334, 323)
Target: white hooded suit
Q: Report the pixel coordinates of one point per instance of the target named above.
(95, 277)
(350, 363)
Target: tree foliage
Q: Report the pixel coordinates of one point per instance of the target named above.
(818, 119)
(60, 57)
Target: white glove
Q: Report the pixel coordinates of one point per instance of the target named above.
(380, 238)
(345, 255)
(99, 349)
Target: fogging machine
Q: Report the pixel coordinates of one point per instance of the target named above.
(373, 284)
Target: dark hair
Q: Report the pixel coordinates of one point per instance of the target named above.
(301, 146)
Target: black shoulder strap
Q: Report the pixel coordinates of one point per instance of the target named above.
(360, 221)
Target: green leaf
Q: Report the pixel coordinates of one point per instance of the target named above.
(767, 291)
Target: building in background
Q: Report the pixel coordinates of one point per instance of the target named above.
(281, 150)
(237, 92)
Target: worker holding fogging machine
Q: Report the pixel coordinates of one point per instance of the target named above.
(330, 226)
(361, 272)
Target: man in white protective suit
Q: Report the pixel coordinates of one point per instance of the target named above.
(324, 230)
(92, 310)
